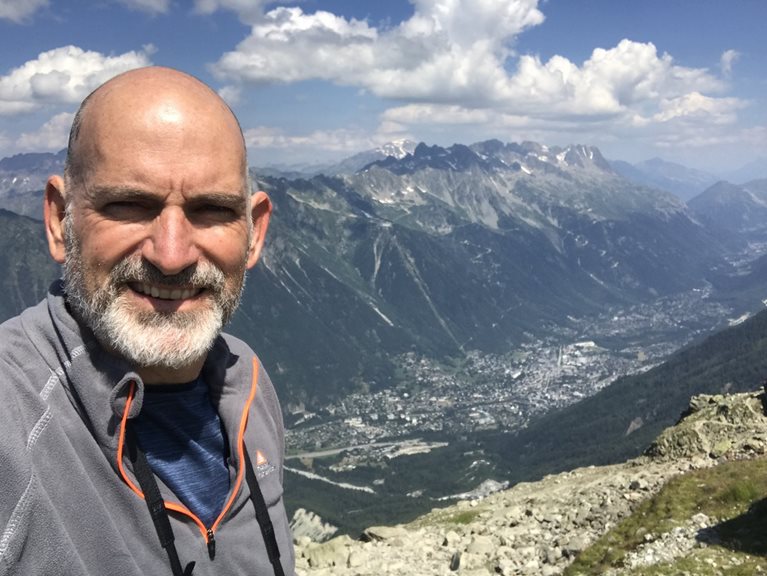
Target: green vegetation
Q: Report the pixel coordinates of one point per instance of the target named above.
(735, 494)
(465, 517)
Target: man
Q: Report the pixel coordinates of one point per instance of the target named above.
(134, 438)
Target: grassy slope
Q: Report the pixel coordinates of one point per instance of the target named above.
(734, 493)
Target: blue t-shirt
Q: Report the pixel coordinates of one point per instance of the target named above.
(180, 432)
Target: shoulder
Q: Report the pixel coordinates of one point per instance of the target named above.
(20, 358)
(12, 335)
(241, 357)
(19, 409)
(24, 344)
(233, 360)
(237, 346)
(24, 379)
(26, 333)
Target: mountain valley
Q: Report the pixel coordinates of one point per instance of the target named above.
(422, 313)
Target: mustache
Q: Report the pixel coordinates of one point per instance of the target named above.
(202, 275)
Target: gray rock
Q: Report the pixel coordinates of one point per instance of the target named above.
(574, 544)
(378, 533)
(309, 525)
(455, 561)
(482, 545)
(334, 552)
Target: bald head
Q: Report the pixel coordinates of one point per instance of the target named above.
(156, 194)
(155, 97)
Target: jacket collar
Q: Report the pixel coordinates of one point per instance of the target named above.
(98, 383)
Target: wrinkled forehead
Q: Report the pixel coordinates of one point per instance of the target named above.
(172, 120)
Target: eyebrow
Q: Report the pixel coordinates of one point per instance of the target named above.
(118, 193)
(129, 193)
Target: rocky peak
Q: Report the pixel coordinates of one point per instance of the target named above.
(494, 155)
(584, 156)
(397, 148)
(538, 528)
(33, 162)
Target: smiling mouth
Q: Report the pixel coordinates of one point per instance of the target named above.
(165, 293)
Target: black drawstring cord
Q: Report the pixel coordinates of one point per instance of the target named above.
(262, 515)
(156, 506)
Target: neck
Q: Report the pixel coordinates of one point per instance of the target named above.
(162, 375)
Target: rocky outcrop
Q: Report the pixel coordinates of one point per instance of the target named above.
(538, 528)
(719, 426)
(309, 526)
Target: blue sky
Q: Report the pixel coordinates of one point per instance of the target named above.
(323, 79)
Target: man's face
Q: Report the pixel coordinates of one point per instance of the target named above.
(167, 339)
(157, 237)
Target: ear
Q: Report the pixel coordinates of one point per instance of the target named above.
(53, 215)
(260, 212)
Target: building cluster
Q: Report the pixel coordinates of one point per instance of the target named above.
(484, 391)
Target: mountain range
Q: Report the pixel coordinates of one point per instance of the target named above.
(396, 149)
(738, 209)
(442, 251)
(447, 250)
(685, 183)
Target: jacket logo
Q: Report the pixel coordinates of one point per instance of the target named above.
(263, 467)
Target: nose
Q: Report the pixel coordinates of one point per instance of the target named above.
(171, 243)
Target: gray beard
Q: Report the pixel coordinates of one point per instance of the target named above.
(149, 339)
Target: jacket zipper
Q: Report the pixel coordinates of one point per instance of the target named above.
(211, 544)
(208, 533)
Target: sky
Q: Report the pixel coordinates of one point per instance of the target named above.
(319, 80)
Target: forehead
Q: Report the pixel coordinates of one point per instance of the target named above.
(168, 141)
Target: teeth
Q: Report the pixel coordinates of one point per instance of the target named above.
(165, 294)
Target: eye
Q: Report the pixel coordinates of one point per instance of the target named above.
(214, 213)
(216, 209)
(127, 210)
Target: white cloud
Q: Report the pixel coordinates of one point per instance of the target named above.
(231, 94)
(15, 107)
(477, 124)
(451, 66)
(628, 77)
(457, 52)
(20, 10)
(248, 11)
(451, 49)
(726, 61)
(696, 105)
(436, 114)
(52, 135)
(300, 46)
(62, 76)
(150, 6)
(341, 140)
(687, 121)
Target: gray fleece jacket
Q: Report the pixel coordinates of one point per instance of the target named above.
(69, 501)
